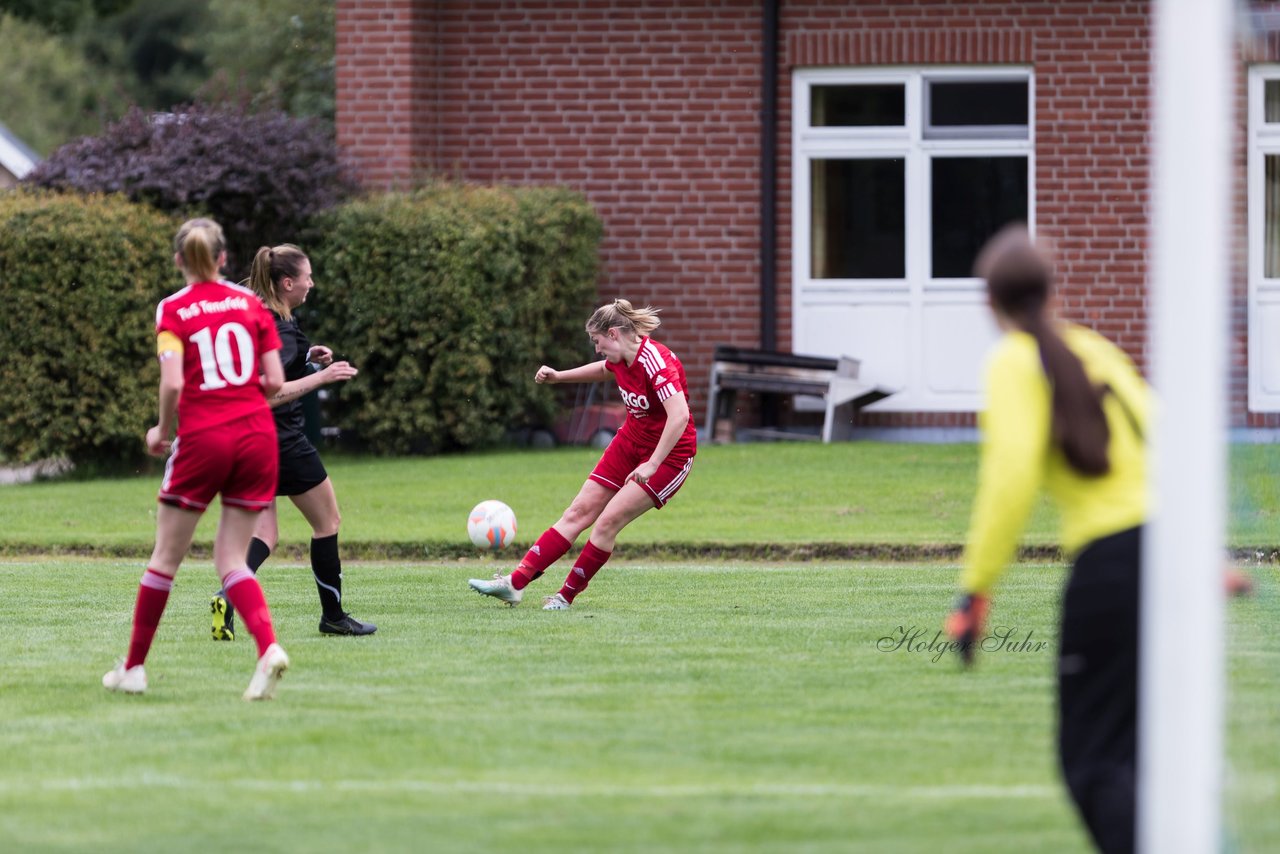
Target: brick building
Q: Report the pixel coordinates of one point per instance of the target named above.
(815, 175)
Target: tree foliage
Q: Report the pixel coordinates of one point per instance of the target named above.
(49, 92)
(71, 66)
(62, 16)
(262, 175)
(157, 46)
(278, 53)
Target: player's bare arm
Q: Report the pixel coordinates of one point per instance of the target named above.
(677, 408)
(160, 437)
(592, 373)
(336, 372)
(272, 376)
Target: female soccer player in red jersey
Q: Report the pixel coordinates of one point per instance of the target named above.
(281, 276)
(644, 465)
(219, 361)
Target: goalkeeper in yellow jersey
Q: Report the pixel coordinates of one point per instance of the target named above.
(1066, 412)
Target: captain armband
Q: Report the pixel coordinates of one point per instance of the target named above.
(168, 345)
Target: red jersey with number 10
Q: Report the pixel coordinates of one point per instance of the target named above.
(645, 385)
(224, 330)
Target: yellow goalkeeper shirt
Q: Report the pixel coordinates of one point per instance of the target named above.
(1018, 456)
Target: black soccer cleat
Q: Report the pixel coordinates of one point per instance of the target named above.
(346, 625)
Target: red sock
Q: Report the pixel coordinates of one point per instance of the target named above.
(247, 598)
(153, 594)
(584, 568)
(549, 548)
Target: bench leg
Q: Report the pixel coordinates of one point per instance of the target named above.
(712, 394)
(837, 423)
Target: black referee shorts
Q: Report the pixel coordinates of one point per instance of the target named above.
(300, 469)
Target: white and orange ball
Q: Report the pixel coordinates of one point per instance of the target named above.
(491, 525)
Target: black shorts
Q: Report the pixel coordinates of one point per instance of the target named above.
(1098, 681)
(300, 469)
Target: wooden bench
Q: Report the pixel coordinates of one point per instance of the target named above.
(835, 381)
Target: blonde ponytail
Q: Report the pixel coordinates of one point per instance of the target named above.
(199, 243)
(620, 314)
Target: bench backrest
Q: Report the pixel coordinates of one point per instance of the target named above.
(845, 366)
(773, 358)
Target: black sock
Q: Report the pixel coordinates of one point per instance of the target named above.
(326, 566)
(258, 554)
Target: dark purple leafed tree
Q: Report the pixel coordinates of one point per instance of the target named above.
(261, 175)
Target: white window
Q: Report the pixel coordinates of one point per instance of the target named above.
(1264, 239)
(899, 176)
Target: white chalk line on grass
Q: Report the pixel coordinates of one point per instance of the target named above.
(533, 789)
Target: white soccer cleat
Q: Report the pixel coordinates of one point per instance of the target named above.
(555, 603)
(131, 681)
(267, 675)
(499, 587)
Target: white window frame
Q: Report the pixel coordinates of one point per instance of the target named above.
(1263, 293)
(917, 291)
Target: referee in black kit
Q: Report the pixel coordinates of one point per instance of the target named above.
(281, 277)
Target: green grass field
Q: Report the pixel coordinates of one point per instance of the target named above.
(679, 706)
(685, 704)
(781, 495)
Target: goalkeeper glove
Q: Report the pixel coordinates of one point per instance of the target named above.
(965, 624)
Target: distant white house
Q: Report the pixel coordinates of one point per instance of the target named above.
(16, 159)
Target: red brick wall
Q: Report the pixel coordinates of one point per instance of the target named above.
(651, 109)
(386, 74)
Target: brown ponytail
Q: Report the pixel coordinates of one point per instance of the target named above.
(1019, 278)
(271, 266)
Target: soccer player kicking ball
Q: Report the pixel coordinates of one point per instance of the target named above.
(219, 361)
(645, 464)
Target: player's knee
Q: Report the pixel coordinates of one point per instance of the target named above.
(269, 538)
(608, 526)
(580, 515)
(330, 524)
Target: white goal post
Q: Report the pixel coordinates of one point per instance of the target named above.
(1183, 610)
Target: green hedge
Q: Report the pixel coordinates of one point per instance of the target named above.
(80, 277)
(448, 299)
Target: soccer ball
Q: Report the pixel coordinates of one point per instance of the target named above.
(491, 525)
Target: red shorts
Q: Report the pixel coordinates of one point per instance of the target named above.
(240, 465)
(621, 458)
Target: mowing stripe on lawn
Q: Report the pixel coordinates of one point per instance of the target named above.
(535, 789)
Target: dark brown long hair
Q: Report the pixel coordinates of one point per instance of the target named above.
(1019, 280)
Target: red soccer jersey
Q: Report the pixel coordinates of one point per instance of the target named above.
(224, 330)
(645, 384)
